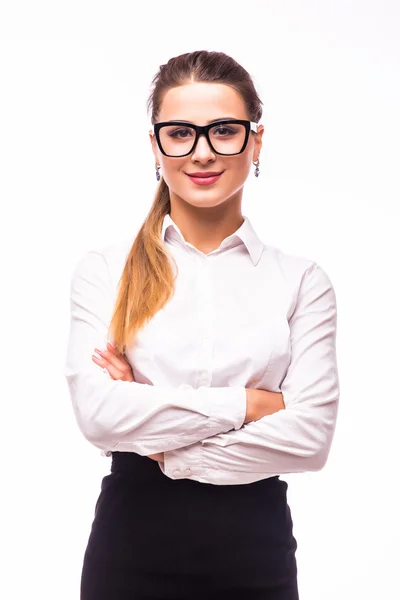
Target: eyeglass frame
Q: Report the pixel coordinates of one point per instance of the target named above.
(204, 130)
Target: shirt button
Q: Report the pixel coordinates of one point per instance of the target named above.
(108, 453)
(188, 472)
(176, 472)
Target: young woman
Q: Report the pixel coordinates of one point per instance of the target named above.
(221, 370)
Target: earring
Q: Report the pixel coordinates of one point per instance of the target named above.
(158, 176)
(257, 170)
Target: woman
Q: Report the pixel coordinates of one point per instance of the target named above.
(222, 373)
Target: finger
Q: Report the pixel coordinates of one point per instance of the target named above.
(117, 361)
(122, 368)
(113, 349)
(112, 369)
(114, 372)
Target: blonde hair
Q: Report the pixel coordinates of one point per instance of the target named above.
(147, 281)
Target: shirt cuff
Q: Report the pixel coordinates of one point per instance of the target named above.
(228, 406)
(187, 462)
(184, 463)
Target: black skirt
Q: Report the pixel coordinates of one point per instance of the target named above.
(156, 538)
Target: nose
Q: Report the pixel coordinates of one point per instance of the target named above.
(202, 151)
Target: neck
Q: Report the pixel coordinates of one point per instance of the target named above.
(206, 227)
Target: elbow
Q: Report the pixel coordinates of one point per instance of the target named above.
(326, 440)
(318, 461)
(321, 436)
(315, 447)
(319, 457)
(95, 417)
(92, 429)
(92, 422)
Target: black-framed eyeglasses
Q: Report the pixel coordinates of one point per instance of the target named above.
(227, 137)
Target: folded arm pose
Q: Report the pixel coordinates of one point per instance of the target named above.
(204, 433)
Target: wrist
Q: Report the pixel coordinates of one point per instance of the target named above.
(251, 407)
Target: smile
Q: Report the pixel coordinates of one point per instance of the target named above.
(204, 180)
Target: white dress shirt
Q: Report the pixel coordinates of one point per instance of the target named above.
(246, 315)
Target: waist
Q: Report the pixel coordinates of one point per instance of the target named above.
(136, 468)
(139, 467)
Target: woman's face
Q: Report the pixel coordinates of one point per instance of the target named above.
(201, 103)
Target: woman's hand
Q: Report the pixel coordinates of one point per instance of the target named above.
(118, 368)
(115, 363)
(261, 403)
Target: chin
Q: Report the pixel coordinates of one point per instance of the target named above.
(206, 201)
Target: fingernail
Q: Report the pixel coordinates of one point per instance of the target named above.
(97, 355)
(111, 344)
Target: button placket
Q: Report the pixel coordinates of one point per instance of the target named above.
(206, 320)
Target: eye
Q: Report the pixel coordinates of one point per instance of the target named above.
(223, 131)
(181, 133)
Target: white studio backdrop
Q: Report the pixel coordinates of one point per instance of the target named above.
(77, 171)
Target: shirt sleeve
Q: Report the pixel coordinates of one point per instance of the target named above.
(129, 416)
(295, 439)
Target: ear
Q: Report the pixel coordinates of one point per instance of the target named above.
(154, 146)
(258, 141)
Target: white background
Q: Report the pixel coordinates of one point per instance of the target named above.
(77, 171)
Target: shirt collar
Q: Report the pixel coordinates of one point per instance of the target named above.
(244, 235)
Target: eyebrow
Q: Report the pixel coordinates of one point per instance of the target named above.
(208, 122)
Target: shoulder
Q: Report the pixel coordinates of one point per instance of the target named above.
(295, 271)
(287, 264)
(116, 254)
(105, 261)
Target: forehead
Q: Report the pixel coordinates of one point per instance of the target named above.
(202, 102)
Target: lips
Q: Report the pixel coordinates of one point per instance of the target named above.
(205, 174)
(204, 179)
